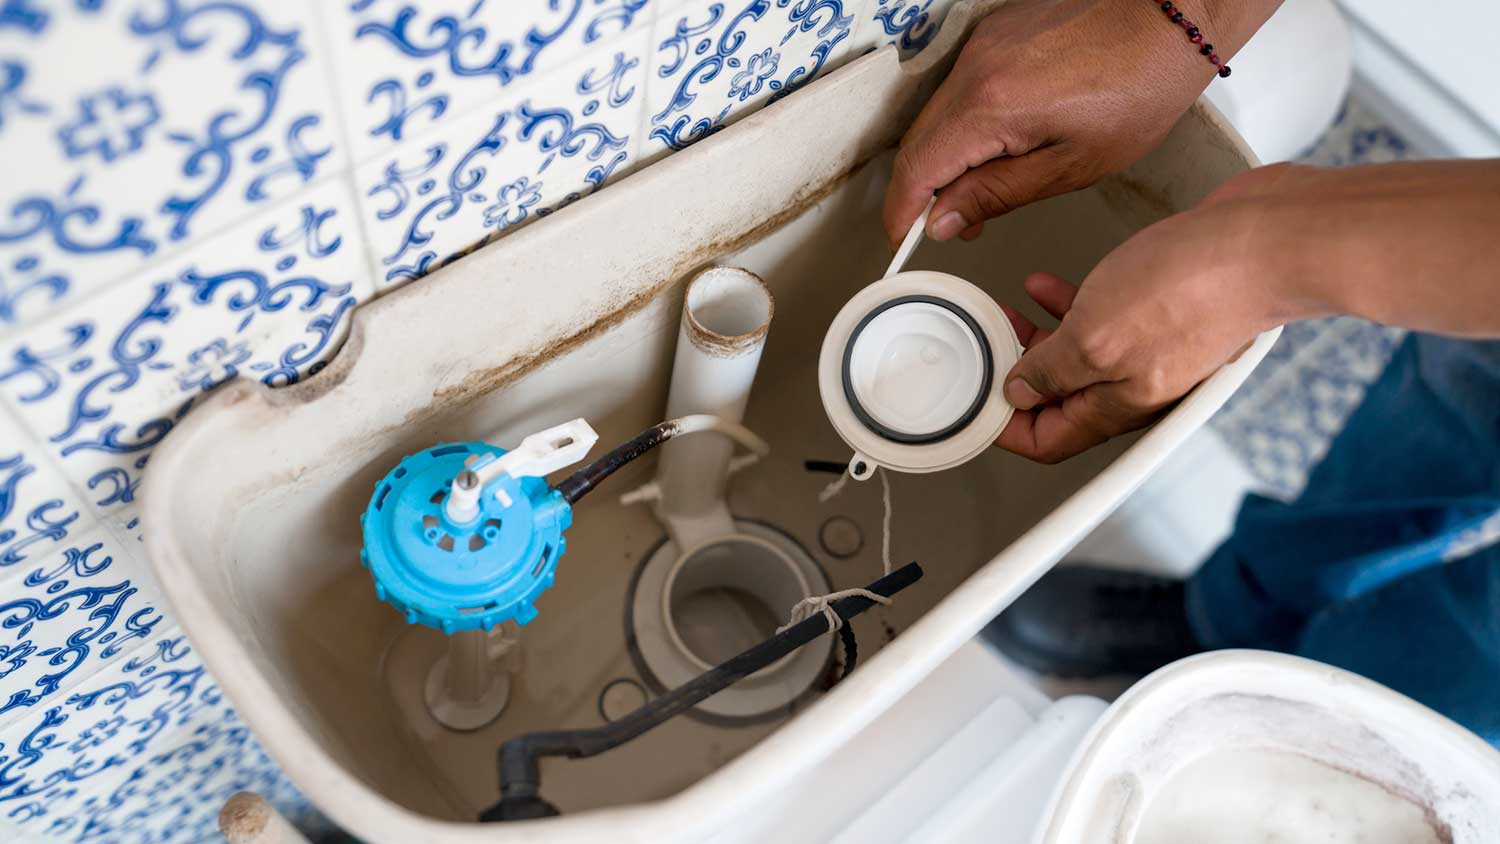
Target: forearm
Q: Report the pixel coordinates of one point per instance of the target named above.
(1416, 245)
(1049, 96)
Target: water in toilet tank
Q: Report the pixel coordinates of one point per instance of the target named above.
(1238, 796)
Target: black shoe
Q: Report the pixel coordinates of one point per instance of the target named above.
(1082, 621)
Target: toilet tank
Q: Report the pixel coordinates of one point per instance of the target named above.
(253, 526)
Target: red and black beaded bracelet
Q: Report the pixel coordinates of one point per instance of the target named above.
(1195, 36)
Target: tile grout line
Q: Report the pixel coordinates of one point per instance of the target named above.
(351, 165)
(865, 20)
(49, 462)
(643, 122)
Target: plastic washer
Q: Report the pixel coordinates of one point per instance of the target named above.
(911, 372)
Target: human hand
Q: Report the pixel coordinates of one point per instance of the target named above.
(1045, 98)
(1158, 315)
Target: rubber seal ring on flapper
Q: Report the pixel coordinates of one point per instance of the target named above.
(985, 357)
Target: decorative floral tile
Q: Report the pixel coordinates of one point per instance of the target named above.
(103, 382)
(404, 67)
(68, 611)
(38, 507)
(438, 196)
(716, 60)
(146, 751)
(132, 128)
(908, 24)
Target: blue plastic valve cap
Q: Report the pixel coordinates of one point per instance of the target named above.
(462, 577)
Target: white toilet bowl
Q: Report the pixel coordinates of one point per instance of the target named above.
(1246, 747)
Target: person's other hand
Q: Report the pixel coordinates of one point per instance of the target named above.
(1045, 98)
(1158, 315)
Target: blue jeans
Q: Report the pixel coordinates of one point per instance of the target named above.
(1370, 569)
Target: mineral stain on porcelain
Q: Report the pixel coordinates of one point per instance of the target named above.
(1259, 796)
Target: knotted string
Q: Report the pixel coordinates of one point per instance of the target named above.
(811, 606)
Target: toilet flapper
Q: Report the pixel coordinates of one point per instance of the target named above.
(911, 367)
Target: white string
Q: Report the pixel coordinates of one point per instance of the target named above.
(811, 606)
(833, 489)
(885, 522)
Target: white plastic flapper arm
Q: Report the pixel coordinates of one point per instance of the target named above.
(912, 240)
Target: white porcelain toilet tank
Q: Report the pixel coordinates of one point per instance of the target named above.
(254, 527)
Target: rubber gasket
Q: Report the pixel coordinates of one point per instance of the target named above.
(958, 425)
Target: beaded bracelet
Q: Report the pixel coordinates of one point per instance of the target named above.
(1195, 36)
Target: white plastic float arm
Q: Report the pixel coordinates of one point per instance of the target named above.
(537, 456)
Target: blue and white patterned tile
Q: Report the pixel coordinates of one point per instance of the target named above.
(714, 61)
(404, 68)
(133, 128)
(908, 24)
(1283, 419)
(145, 751)
(68, 612)
(439, 195)
(1359, 136)
(104, 381)
(38, 507)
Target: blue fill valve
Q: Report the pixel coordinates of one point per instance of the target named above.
(465, 536)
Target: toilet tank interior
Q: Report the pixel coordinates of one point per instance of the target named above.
(285, 575)
(324, 640)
